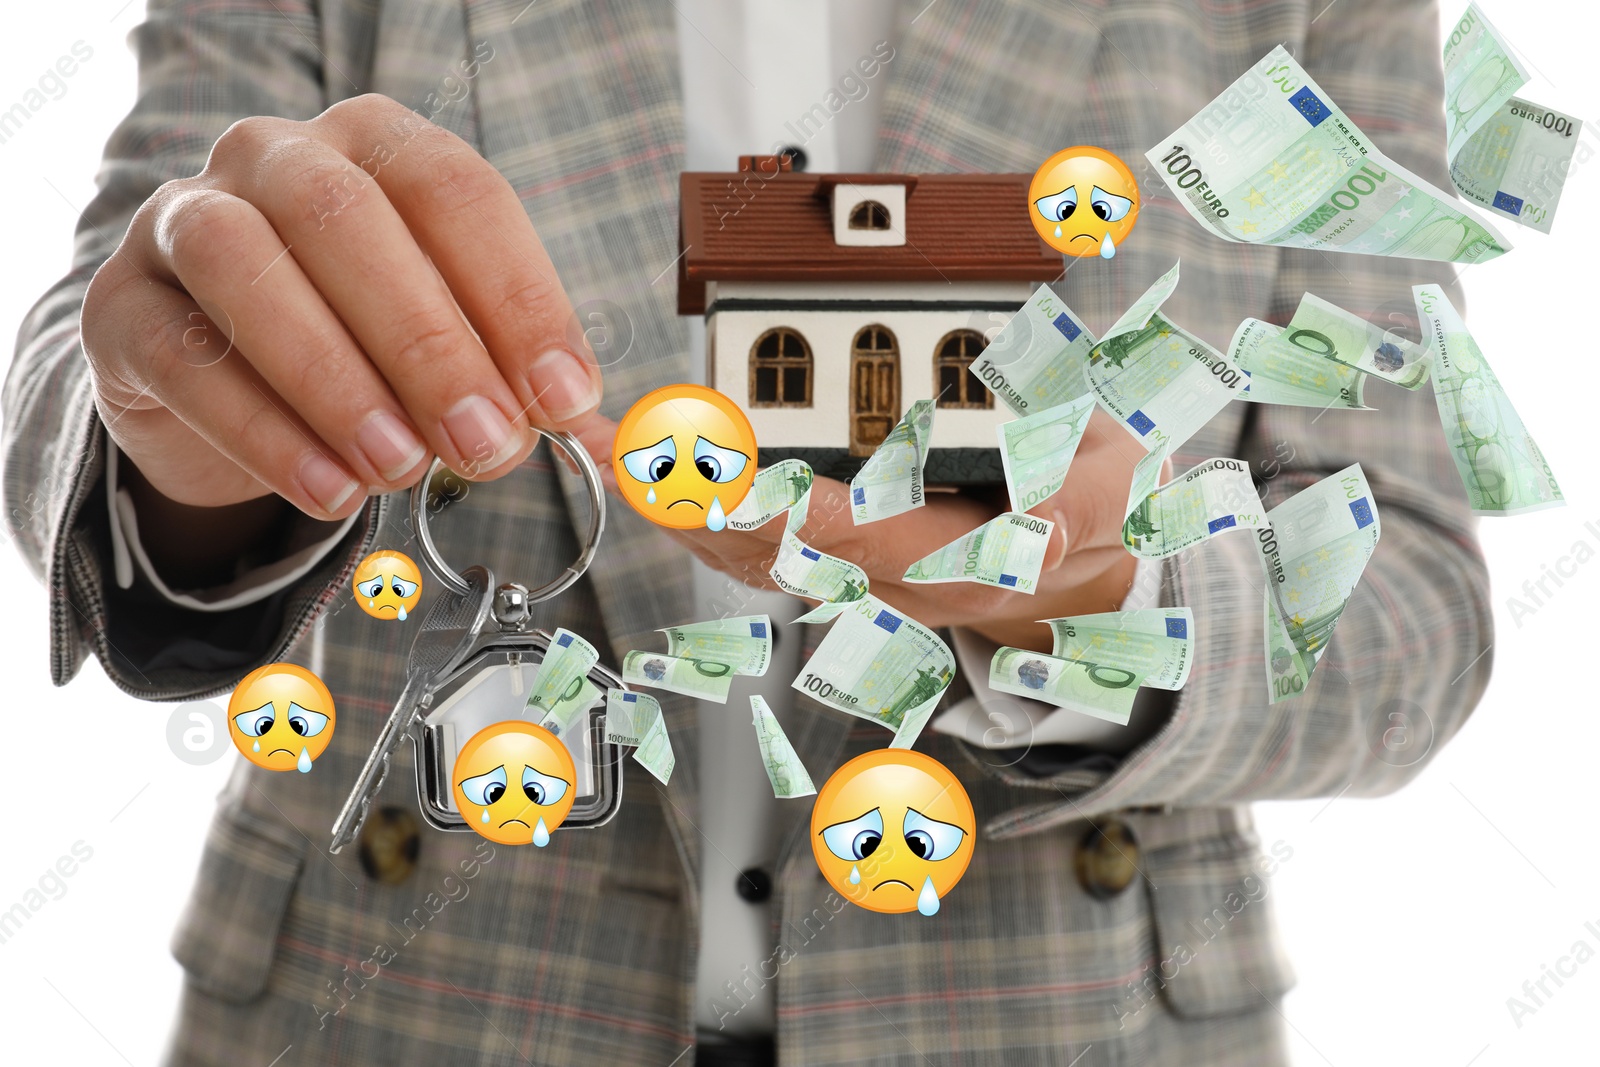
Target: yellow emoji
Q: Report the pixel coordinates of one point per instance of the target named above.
(387, 585)
(1083, 200)
(281, 717)
(514, 783)
(893, 831)
(685, 456)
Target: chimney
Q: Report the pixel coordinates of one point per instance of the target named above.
(764, 165)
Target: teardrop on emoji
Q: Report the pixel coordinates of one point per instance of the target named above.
(855, 874)
(650, 497)
(541, 833)
(716, 518)
(304, 762)
(928, 899)
(1108, 247)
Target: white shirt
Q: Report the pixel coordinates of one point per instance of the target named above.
(749, 69)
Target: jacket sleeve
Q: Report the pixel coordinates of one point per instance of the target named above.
(201, 68)
(1410, 657)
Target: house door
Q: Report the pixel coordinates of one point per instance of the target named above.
(874, 388)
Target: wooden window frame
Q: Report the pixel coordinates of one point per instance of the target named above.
(967, 402)
(865, 208)
(779, 364)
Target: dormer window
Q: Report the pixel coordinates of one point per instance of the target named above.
(869, 215)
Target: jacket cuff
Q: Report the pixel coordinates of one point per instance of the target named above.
(305, 543)
(150, 645)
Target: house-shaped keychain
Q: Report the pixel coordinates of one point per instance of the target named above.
(834, 301)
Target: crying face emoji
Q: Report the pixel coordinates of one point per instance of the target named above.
(514, 783)
(684, 457)
(1083, 201)
(281, 717)
(387, 585)
(893, 831)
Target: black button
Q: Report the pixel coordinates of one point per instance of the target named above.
(1107, 860)
(754, 885)
(797, 156)
(390, 843)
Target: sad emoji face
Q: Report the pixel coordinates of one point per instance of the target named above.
(1083, 201)
(514, 783)
(281, 717)
(387, 585)
(684, 457)
(893, 831)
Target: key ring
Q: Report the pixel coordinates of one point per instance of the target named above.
(562, 582)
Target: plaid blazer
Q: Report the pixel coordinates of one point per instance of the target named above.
(584, 952)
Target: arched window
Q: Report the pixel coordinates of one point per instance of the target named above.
(780, 370)
(869, 215)
(953, 381)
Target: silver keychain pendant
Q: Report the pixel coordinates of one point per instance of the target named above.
(472, 664)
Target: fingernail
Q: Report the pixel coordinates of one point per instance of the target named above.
(325, 483)
(480, 433)
(389, 444)
(562, 385)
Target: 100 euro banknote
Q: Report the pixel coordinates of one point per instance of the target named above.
(890, 481)
(1508, 155)
(1273, 160)
(787, 774)
(1037, 449)
(1282, 372)
(1501, 465)
(784, 486)
(566, 662)
(571, 711)
(628, 715)
(1328, 330)
(655, 753)
(1161, 382)
(804, 571)
(745, 642)
(1083, 685)
(1006, 552)
(1211, 498)
(881, 665)
(1313, 553)
(1155, 645)
(1036, 360)
(703, 679)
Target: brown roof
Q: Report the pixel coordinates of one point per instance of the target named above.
(779, 227)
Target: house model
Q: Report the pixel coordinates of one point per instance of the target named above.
(834, 301)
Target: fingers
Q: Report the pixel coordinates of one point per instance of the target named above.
(364, 262)
(231, 262)
(471, 224)
(225, 404)
(597, 434)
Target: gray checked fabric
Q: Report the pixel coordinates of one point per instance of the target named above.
(583, 953)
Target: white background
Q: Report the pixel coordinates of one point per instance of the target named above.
(1411, 919)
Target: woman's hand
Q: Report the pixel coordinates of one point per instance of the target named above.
(1086, 568)
(324, 308)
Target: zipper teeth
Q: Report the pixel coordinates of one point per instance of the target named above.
(61, 565)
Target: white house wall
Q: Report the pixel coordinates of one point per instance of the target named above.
(730, 335)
